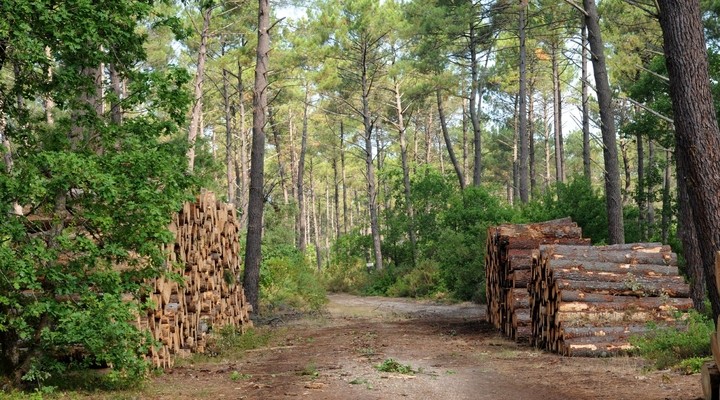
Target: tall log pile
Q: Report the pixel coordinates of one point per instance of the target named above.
(210, 296)
(588, 301)
(508, 259)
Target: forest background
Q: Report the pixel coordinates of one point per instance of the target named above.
(397, 133)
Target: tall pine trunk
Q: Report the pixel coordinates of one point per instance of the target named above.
(522, 112)
(696, 129)
(196, 114)
(251, 277)
(448, 142)
(613, 197)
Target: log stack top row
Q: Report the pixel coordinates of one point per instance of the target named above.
(548, 286)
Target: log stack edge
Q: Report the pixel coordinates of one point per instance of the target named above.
(548, 286)
(205, 255)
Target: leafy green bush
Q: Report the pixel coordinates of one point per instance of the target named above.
(420, 281)
(669, 347)
(346, 271)
(461, 245)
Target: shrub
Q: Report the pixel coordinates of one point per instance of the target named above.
(669, 347)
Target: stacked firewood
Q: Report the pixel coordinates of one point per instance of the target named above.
(588, 301)
(207, 294)
(508, 259)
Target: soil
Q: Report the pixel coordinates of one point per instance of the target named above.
(454, 352)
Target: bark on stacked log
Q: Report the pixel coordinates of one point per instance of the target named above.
(508, 259)
(588, 301)
(210, 295)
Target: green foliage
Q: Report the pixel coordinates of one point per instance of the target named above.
(390, 365)
(680, 347)
(346, 271)
(98, 192)
(461, 246)
(421, 281)
(287, 278)
(576, 199)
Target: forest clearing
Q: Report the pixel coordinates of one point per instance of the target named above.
(455, 353)
(176, 174)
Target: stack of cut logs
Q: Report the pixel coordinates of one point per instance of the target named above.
(588, 301)
(710, 374)
(205, 256)
(508, 258)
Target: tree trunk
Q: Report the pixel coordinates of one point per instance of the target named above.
(613, 197)
(316, 226)
(300, 217)
(531, 137)
(516, 150)
(116, 110)
(465, 135)
(406, 173)
(336, 196)
(626, 169)
(448, 141)
(650, 194)
(369, 126)
(667, 210)
(241, 154)
(274, 128)
(522, 112)
(585, 103)
(546, 123)
(640, 190)
(696, 129)
(474, 115)
(428, 138)
(251, 278)
(688, 235)
(344, 186)
(557, 117)
(196, 113)
(228, 137)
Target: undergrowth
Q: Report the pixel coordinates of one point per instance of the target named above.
(683, 348)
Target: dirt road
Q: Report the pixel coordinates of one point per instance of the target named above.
(456, 355)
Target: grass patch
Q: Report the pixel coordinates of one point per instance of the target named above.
(390, 365)
(682, 348)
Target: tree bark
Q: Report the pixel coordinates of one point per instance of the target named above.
(613, 197)
(640, 190)
(688, 235)
(585, 103)
(196, 113)
(251, 278)
(344, 186)
(557, 117)
(274, 128)
(241, 161)
(406, 172)
(531, 137)
(474, 108)
(228, 137)
(696, 129)
(448, 141)
(300, 217)
(369, 126)
(650, 194)
(522, 112)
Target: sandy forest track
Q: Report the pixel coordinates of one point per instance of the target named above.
(456, 353)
